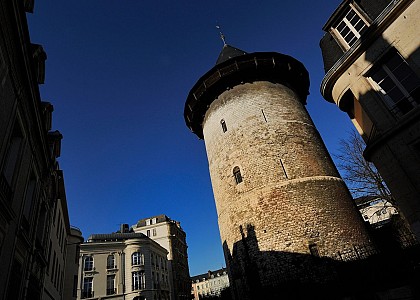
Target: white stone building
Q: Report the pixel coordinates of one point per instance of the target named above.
(169, 234)
(123, 265)
(211, 283)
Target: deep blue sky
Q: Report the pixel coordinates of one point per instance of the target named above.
(118, 73)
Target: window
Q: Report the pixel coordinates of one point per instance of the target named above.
(137, 259)
(313, 248)
(88, 264)
(40, 230)
(110, 262)
(29, 196)
(398, 84)
(87, 291)
(351, 27)
(110, 285)
(13, 153)
(139, 280)
(237, 175)
(148, 233)
(154, 231)
(223, 123)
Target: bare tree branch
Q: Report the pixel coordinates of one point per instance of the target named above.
(361, 176)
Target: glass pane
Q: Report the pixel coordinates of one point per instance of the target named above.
(402, 71)
(395, 94)
(350, 14)
(354, 19)
(394, 62)
(387, 84)
(411, 83)
(345, 31)
(341, 26)
(359, 25)
(352, 40)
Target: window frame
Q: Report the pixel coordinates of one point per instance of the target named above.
(110, 284)
(237, 175)
(351, 7)
(137, 259)
(110, 261)
(138, 280)
(397, 107)
(88, 265)
(87, 291)
(223, 124)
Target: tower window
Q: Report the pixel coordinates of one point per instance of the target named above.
(237, 174)
(223, 123)
(313, 248)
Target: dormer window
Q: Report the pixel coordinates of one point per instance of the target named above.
(351, 27)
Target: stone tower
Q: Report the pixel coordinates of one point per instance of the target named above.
(285, 215)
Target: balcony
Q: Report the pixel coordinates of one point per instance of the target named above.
(111, 267)
(87, 294)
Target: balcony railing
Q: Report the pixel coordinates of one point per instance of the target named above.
(111, 291)
(140, 286)
(111, 267)
(87, 294)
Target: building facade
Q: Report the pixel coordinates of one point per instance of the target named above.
(372, 63)
(63, 251)
(123, 265)
(170, 235)
(210, 284)
(74, 239)
(375, 210)
(31, 182)
(282, 206)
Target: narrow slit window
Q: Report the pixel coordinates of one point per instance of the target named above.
(284, 170)
(265, 118)
(237, 174)
(223, 123)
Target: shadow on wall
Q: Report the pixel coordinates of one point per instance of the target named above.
(255, 274)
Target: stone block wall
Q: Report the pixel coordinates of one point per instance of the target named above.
(291, 197)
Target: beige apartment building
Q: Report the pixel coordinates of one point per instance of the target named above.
(210, 284)
(372, 63)
(170, 235)
(124, 266)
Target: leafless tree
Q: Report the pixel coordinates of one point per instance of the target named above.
(361, 176)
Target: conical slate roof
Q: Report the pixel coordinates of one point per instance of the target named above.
(228, 52)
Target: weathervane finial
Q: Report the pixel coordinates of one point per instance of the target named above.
(222, 36)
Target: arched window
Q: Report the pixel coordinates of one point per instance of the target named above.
(237, 174)
(110, 261)
(137, 259)
(88, 264)
(223, 123)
